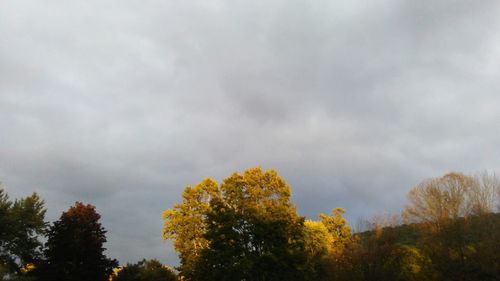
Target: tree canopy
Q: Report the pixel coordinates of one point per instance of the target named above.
(145, 270)
(247, 228)
(457, 228)
(74, 249)
(244, 229)
(21, 227)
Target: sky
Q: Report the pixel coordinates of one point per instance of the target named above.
(122, 104)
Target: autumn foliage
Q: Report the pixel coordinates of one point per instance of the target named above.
(247, 228)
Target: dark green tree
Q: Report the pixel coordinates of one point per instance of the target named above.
(74, 250)
(225, 258)
(145, 270)
(21, 226)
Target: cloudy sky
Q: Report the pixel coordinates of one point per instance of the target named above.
(123, 103)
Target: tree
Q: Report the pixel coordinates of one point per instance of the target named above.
(145, 270)
(485, 194)
(74, 249)
(333, 234)
(318, 240)
(379, 254)
(338, 228)
(21, 226)
(436, 201)
(319, 251)
(247, 229)
(454, 218)
(186, 223)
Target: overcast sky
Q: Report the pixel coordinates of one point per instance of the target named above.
(121, 104)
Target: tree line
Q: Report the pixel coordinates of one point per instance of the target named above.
(247, 228)
(73, 249)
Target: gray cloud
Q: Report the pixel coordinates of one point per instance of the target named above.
(352, 102)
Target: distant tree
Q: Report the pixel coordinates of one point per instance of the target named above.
(485, 194)
(145, 270)
(456, 225)
(437, 201)
(379, 254)
(383, 257)
(74, 250)
(21, 227)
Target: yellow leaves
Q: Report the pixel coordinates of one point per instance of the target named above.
(185, 223)
(328, 237)
(115, 273)
(336, 224)
(27, 268)
(413, 261)
(257, 194)
(262, 193)
(317, 238)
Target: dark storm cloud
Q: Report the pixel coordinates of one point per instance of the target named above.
(123, 104)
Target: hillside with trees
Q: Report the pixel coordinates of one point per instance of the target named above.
(246, 228)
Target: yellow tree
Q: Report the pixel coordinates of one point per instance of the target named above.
(255, 232)
(340, 244)
(338, 228)
(245, 228)
(318, 240)
(186, 223)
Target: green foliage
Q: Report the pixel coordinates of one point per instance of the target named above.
(74, 250)
(21, 225)
(382, 257)
(145, 270)
(410, 252)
